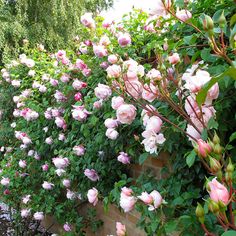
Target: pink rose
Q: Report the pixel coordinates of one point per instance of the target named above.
(77, 84)
(79, 150)
(127, 201)
(45, 167)
(123, 158)
(124, 39)
(146, 198)
(112, 59)
(22, 164)
(116, 102)
(203, 148)
(113, 71)
(91, 174)
(5, 181)
(78, 96)
(60, 162)
(67, 227)
(25, 213)
(157, 200)
(60, 122)
(154, 123)
(149, 92)
(100, 51)
(93, 196)
(134, 88)
(120, 229)
(184, 15)
(154, 74)
(102, 91)
(80, 64)
(46, 185)
(105, 41)
(218, 192)
(111, 123)
(38, 216)
(126, 113)
(161, 9)
(174, 59)
(112, 134)
(59, 96)
(97, 104)
(66, 183)
(104, 65)
(87, 20)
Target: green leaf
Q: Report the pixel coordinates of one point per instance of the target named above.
(201, 96)
(170, 227)
(229, 233)
(143, 157)
(232, 137)
(212, 124)
(190, 159)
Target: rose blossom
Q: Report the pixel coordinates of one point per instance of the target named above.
(157, 200)
(49, 140)
(149, 92)
(45, 167)
(22, 163)
(154, 123)
(25, 213)
(61, 137)
(127, 201)
(174, 59)
(113, 71)
(203, 148)
(91, 174)
(67, 227)
(70, 195)
(87, 20)
(26, 199)
(184, 15)
(111, 123)
(160, 8)
(77, 84)
(93, 196)
(112, 134)
(66, 183)
(79, 150)
(100, 51)
(116, 102)
(38, 216)
(124, 39)
(60, 162)
(112, 59)
(120, 229)
(105, 41)
(102, 91)
(5, 181)
(126, 113)
(60, 122)
(80, 113)
(218, 192)
(146, 198)
(123, 158)
(97, 104)
(46, 185)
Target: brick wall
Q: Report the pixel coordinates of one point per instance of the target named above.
(113, 215)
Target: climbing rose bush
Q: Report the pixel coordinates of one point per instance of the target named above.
(163, 80)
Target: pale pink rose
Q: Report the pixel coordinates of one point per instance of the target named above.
(86, 72)
(93, 196)
(183, 15)
(78, 96)
(65, 61)
(152, 140)
(22, 164)
(77, 84)
(107, 23)
(203, 148)
(60, 162)
(120, 229)
(102, 91)
(61, 137)
(26, 140)
(67, 227)
(97, 104)
(126, 113)
(83, 48)
(29, 63)
(134, 88)
(60, 122)
(15, 83)
(160, 8)
(174, 59)
(113, 71)
(100, 51)
(70, 194)
(54, 82)
(49, 140)
(46, 185)
(25, 213)
(65, 78)
(112, 59)
(26, 199)
(154, 124)
(60, 97)
(146, 198)
(191, 106)
(112, 134)
(154, 74)
(111, 123)
(60, 54)
(104, 65)
(116, 102)
(104, 41)
(31, 73)
(45, 167)
(91, 174)
(5, 181)
(123, 158)
(80, 64)
(127, 191)
(38, 216)
(124, 39)
(66, 183)
(80, 113)
(218, 192)
(87, 20)
(192, 131)
(127, 202)
(60, 172)
(79, 150)
(149, 92)
(157, 200)
(212, 94)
